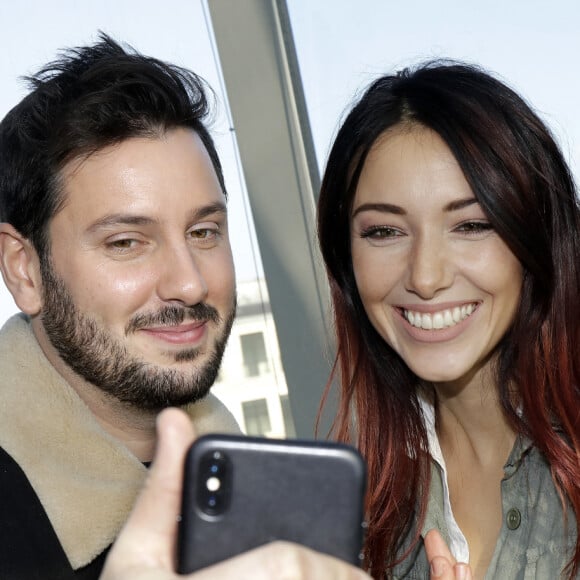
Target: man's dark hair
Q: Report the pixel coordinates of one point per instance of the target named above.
(89, 98)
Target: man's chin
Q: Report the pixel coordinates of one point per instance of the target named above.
(152, 399)
(172, 358)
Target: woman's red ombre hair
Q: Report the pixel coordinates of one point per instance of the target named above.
(520, 179)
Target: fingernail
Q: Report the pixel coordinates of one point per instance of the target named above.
(460, 572)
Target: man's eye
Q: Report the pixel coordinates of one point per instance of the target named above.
(123, 244)
(204, 234)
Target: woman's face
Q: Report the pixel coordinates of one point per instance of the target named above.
(437, 282)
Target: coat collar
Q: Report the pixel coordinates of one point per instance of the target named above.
(86, 479)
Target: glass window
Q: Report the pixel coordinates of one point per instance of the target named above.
(252, 365)
(256, 417)
(342, 45)
(254, 353)
(287, 414)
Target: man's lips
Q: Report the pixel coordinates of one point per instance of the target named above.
(182, 334)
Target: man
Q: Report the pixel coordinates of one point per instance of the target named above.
(114, 245)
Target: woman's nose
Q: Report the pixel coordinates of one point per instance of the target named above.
(429, 268)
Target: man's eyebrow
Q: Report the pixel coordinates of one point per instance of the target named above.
(207, 210)
(120, 219)
(127, 219)
(397, 210)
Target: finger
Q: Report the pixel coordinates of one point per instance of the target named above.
(282, 560)
(154, 518)
(463, 572)
(435, 546)
(441, 569)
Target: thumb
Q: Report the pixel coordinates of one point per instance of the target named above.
(435, 547)
(154, 518)
(440, 559)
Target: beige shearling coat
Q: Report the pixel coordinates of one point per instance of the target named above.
(85, 479)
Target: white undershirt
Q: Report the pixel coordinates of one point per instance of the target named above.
(457, 542)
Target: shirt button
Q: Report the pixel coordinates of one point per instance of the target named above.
(513, 519)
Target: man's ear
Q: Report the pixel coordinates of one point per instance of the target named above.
(20, 268)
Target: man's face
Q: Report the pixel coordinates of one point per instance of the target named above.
(139, 292)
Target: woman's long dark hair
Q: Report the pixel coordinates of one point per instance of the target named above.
(519, 176)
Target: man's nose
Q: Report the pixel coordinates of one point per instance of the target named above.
(181, 279)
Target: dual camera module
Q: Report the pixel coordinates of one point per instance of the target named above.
(214, 483)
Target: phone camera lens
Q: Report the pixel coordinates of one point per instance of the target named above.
(214, 480)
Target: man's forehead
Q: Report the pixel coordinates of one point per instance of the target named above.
(144, 176)
(136, 219)
(120, 150)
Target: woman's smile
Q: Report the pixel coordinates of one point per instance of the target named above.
(436, 281)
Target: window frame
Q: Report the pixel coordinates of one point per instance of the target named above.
(266, 101)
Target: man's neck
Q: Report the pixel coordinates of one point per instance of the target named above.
(134, 427)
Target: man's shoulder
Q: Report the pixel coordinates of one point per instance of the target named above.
(27, 534)
(210, 415)
(16, 335)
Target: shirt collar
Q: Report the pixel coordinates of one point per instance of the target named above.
(457, 541)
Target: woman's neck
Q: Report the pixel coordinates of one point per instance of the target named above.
(470, 419)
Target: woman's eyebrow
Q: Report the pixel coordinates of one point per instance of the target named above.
(381, 207)
(460, 204)
(454, 205)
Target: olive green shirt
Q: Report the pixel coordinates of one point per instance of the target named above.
(533, 544)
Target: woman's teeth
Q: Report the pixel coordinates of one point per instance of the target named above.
(439, 320)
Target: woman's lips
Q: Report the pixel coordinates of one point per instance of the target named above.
(438, 325)
(444, 318)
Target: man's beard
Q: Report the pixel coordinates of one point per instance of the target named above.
(102, 360)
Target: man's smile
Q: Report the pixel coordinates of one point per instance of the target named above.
(189, 333)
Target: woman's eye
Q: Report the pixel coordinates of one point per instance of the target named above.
(380, 233)
(475, 227)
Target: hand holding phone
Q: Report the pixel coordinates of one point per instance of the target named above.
(242, 492)
(151, 529)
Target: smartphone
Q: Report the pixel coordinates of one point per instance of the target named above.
(242, 492)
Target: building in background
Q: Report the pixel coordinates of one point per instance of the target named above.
(251, 380)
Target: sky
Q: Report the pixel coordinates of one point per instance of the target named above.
(530, 44)
(533, 45)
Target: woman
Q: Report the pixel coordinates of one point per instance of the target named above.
(450, 230)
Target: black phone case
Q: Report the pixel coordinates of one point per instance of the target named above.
(307, 492)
